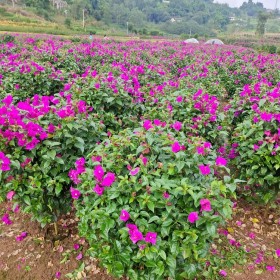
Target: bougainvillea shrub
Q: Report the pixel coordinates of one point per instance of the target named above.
(41, 138)
(256, 136)
(150, 202)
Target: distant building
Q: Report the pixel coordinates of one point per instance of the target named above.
(232, 18)
(176, 19)
(59, 4)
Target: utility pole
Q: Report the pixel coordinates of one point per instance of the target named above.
(276, 4)
(127, 28)
(84, 18)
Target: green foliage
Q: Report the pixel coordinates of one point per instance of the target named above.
(258, 158)
(262, 19)
(181, 247)
(6, 38)
(68, 22)
(42, 185)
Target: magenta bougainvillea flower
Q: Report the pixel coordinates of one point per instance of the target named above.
(200, 150)
(205, 205)
(277, 252)
(179, 99)
(193, 217)
(147, 124)
(124, 216)
(252, 235)
(270, 268)
(98, 172)
(136, 236)
(96, 158)
(177, 125)
(207, 145)
(144, 160)
(176, 147)
(204, 169)
(76, 246)
(10, 195)
(22, 236)
(223, 273)
(108, 180)
(4, 162)
(75, 193)
(221, 161)
(98, 190)
(157, 122)
(6, 219)
(166, 195)
(67, 87)
(134, 171)
(151, 237)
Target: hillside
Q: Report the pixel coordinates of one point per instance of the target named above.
(201, 17)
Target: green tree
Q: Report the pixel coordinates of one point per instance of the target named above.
(262, 20)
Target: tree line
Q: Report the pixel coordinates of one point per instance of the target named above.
(171, 16)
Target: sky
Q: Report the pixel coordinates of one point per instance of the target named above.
(269, 4)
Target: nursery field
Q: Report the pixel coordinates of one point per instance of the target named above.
(137, 159)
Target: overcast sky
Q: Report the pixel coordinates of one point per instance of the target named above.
(270, 4)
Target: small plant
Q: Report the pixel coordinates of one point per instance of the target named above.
(68, 22)
(7, 38)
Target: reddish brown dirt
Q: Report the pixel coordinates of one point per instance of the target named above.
(37, 257)
(261, 235)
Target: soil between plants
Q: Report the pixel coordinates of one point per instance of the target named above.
(37, 257)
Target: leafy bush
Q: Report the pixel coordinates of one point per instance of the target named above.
(256, 119)
(146, 208)
(154, 33)
(42, 147)
(6, 38)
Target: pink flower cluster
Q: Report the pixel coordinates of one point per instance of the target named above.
(20, 122)
(80, 168)
(206, 103)
(205, 205)
(4, 162)
(147, 124)
(177, 147)
(103, 180)
(134, 234)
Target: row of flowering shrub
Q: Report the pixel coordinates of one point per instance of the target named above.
(147, 141)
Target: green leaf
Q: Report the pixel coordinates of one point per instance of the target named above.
(50, 143)
(171, 262)
(211, 229)
(151, 206)
(162, 254)
(190, 269)
(118, 269)
(160, 269)
(51, 154)
(180, 165)
(58, 189)
(80, 146)
(26, 200)
(153, 219)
